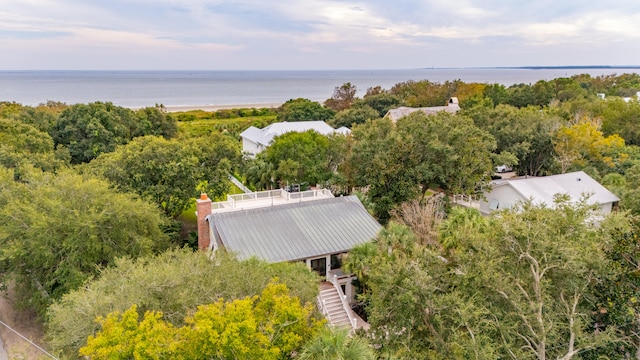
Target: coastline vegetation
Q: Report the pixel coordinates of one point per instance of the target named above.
(90, 194)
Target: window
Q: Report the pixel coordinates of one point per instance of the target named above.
(493, 205)
(336, 261)
(319, 266)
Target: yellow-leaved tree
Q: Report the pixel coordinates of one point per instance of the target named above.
(583, 144)
(271, 325)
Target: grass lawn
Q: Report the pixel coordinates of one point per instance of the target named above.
(232, 126)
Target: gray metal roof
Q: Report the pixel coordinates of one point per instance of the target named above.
(398, 113)
(297, 231)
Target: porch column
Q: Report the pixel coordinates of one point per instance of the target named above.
(327, 261)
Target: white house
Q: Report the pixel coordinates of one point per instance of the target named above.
(504, 194)
(451, 107)
(255, 140)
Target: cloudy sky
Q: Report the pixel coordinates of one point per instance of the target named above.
(315, 34)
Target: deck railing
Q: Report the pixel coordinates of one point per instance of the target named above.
(239, 201)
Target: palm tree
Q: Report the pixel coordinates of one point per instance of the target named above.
(336, 345)
(461, 225)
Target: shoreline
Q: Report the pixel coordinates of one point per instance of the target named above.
(184, 108)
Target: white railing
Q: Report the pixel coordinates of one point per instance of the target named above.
(345, 304)
(322, 305)
(467, 200)
(278, 196)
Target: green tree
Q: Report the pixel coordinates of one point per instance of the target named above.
(23, 145)
(336, 345)
(448, 151)
(526, 133)
(92, 129)
(462, 224)
(524, 286)
(260, 174)
(620, 117)
(343, 97)
(175, 283)
(399, 162)
(617, 304)
(497, 93)
(379, 161)
(155, 121)
(58, 231)
(424, 93)
(381, 102)
(303, 110)
(300, 157)
(354, 115)
(169, 172)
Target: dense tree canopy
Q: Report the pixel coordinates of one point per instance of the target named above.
(523, 284)
(174, 283)
(22, 145)
(58, 231)
(529, 283)
(303, 110)
(355, 115)
(398, 162)
(299, 157)
(381, 102)
(526, 133)
(89, 130)
(271, 325)
(169, 172)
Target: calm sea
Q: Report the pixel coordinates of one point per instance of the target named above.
(197, 88)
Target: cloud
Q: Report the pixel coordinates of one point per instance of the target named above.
(276, 32)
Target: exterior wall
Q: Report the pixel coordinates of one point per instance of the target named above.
(350, 290)
(505, 195)
(606, 208)
(250, 147)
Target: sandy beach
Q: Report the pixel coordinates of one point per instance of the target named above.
(181, 108)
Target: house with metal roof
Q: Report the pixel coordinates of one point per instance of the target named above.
(506, 193)
(313, 227)
(255, 140)
(451, 107)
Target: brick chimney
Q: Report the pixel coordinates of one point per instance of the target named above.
(203, 209)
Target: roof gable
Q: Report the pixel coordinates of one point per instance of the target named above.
(265, 136)
(576, 185)
(296, 231)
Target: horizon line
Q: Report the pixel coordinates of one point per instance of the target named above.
(526, 67)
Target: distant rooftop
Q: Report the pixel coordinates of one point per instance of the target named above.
(265, 136)
(575, 185)
(451, 107)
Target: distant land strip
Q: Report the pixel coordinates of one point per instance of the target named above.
(569, 67)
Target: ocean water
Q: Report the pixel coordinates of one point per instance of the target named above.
(219, 88)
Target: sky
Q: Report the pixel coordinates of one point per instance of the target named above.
(315, 34)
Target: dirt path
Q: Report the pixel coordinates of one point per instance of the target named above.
(25, 323)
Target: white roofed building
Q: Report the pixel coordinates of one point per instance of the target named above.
(451, 107)
(255, 140)
(578, 185)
